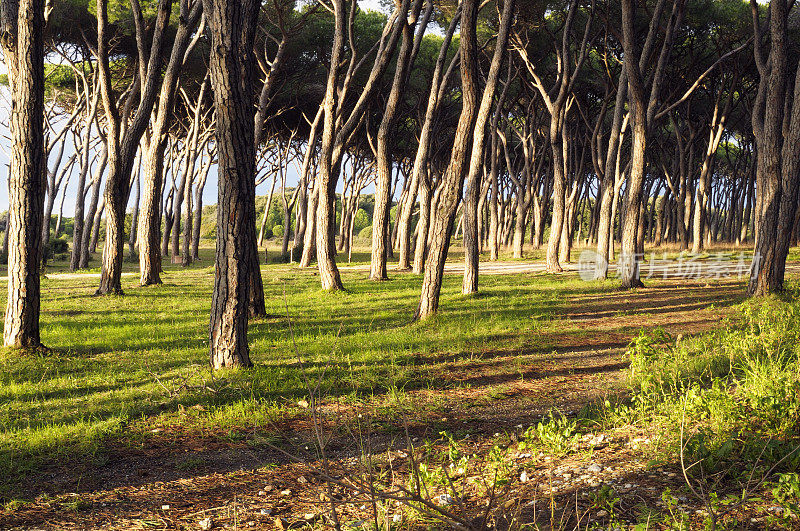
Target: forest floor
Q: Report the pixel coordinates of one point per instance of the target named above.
(122, 426)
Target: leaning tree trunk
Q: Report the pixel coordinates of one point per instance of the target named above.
(383, 200)
(150, 218)
(473, 186)
(453, 178)
(232, 26)
(123, 143)
(24, 54)
(328, 168)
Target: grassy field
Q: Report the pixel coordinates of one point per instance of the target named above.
(129, 374)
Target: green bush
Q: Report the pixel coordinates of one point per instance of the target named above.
(365, 233)
(361, 221)
(56, 246)
(277, 231)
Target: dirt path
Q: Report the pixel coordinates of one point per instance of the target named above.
(658, 269)
(709, 267)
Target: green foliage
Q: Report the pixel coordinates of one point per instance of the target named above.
(730, 398)
(277, 231)
(787, 494)
(59, 76)
(54, 247)
(361, 220)
(557, 434)
(365, 233)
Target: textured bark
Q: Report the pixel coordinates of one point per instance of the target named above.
(383, 203)
(149, 229)
(122, 147)
(453, 178)
(777, 135)
(421, 159)
(423, 226)
(473, 185)
(643, 110)
(232, 25)
(607, 185)
(557, 107)
(23, 47)
(326, 212)
(338, 129)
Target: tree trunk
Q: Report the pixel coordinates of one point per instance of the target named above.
(232, 25)
(122, 150)
(24, 55)
(150, 219)
(453, 178)
(473, 185)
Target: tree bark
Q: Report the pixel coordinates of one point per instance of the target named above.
(453, 179)
(23, 47)
(473, 185)
(122, 147)
(232, 25)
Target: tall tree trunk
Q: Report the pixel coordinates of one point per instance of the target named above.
(150, 219)
(473, 185)
(24, 55)
(122, 147)
(453, 178)
(778, 159)
(383, 200)
(232, 25)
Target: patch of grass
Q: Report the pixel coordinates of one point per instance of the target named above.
(122, 367)
(727, 403)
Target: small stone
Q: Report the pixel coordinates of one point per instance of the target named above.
(287, 492)
(262, 493)
(265, 512)
(594, 468)
(309, 517)
(397, 518)
(523, 478)
(602, 514)
(302, 480)
(593, 483)
(165, 507)
(206, 524)
(281, 523)
(445, 499)
(268, 488)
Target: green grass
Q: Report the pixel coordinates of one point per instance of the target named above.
(122, 366)
(730, 397)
